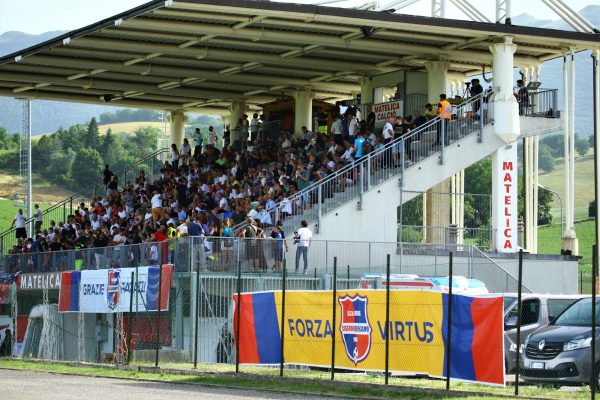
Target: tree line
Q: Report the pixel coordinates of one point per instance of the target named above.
(74, 157)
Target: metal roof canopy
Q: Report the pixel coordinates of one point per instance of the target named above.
(199, 55)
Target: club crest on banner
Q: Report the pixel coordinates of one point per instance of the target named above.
(113, 290)
(355, 327)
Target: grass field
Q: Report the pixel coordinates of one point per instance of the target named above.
(549, 239)
(310, 382)
(584, 188)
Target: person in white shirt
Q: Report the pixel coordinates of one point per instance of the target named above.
(38, 217)
(336, 129)
(352, 127)
(388, 130)
(185, 152)
(158, 212)
(212, 136)
(19, 220)
(303, 237)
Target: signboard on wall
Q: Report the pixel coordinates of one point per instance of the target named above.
(108, 291)
(39, 281)
(385, 110)
(505, 199)
(417, 332)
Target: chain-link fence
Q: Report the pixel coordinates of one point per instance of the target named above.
(411, 332)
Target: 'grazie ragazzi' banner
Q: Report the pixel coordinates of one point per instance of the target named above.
(109, 290)
(417, 332)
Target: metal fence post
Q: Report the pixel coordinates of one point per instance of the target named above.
(361, 186)
(132, 292)
(449, 319)
(442, 139)
(237, 314)
(387, 320)
(369, 157)
(282, 352)
(348, 277)
(319, 207)
(159, 306)
(481, 120)
(402, 161)
(593, 380)
(196, 319)
(334, 316)
(519, 311)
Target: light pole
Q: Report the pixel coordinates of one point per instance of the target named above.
(561, 206)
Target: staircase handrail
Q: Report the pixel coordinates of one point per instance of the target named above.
(81, 192)
(401, 139)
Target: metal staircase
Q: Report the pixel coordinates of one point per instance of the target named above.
(428, 142)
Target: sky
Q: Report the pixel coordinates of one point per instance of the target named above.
(39, 16)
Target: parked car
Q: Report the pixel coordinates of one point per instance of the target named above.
(537, 311)
(560, 353)
(460, 284)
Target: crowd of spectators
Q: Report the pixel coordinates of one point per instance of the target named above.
(210, 185)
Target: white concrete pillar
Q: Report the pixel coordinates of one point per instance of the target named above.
(437, 206)
(504, 160)
(177, 120)
(569, 241)
(366, 94)
(237, 108)
(437, 79)
(458, 204)
(303, 110)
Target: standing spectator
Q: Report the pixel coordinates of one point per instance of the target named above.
(198, 139)
(336, 129)
(186, 152)
(245, 127)
(158, 213)
(226, 137)
(278, 246)
(212, 136)
(445, 113)
(21, 233)
(370, 119)
(38, 217)
(429, 113)
(174, 156)
(254, 127)
(304, 238)
(522, 96)
(106, 175)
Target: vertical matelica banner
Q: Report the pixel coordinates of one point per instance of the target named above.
(417, 332)
(109, 290)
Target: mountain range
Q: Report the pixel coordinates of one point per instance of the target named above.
(48, 116)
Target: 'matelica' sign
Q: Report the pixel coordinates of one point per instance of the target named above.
(38, 281)
(508, 181)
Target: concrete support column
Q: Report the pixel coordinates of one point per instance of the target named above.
(457, 216)
(504, 160)
(437, 206)
(366, 95)
(177, 120)
(569, 242)
(530, 171)
(303, 110)
(237, 108)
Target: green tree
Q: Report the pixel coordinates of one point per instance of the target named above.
(556, 145)
(144, 141)
(92, 137)
(545, 158)
(582, 146)
(60, 165)
(87, 167)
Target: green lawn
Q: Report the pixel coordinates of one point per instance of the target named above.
(311, 382)
(584, 188)
(549, 239)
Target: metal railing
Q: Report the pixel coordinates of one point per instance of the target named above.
(540, 103)
(384, 162)
(151, 164)
(480, 237)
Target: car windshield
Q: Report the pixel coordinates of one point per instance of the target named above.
(579, 314)
(508, 300)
